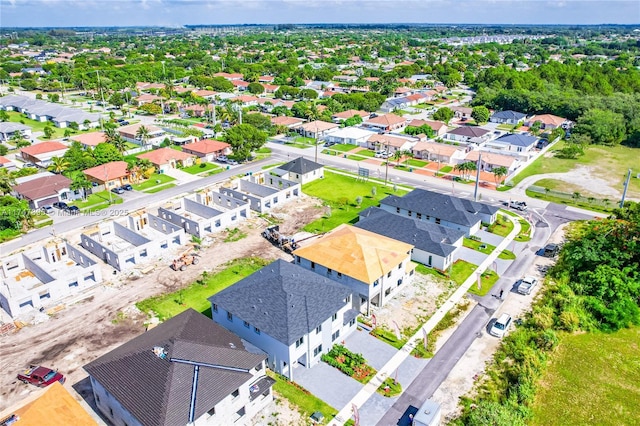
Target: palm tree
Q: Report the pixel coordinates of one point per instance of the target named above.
(499, 173)
(58, 165)
(397, 156)
(6, 181)
(133, 168)
(143, 135)
(80, 181)
(115, 139)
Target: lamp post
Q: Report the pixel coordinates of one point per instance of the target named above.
(316, 144)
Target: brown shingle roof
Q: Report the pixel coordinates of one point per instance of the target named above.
(46, 186)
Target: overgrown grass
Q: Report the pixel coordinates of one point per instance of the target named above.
(195, 295)
(234, 234)
(575, 202)
(301, 399)
(525, 227)
(448, 320)
(594, 379)
(339, 192)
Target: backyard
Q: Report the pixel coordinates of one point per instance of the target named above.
(341, 209)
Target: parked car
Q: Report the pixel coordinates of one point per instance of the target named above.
(47, 209)
(60, 205)
(127, 187)
(124, 123)
(31, 165)
(518, 205)
(117, 190)
(40, 376)
(232, 162)
(550, 250)
(501, 325)
(73, 209)
(527, 284)
(222, 158)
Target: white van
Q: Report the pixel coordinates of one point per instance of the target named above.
(501, 325)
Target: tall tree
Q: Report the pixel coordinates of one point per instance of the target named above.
(143, 135)
(6, 181)
(499, 173)
(58, 165)
(244, 139)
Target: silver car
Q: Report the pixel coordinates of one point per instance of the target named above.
(527, 284)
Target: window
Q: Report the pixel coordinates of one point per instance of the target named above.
(419, 215)
(230, 316)
(111, 411)
(329, 272)
(334, 317)
(319, 329)
(313, 265)
(246, 324)
(339, 274)
(98, 398)
(376, 282)
(400, 266)
(299, 342)
(410, 213)
(389, 274)
(214, 308)
(335, 335)
(347, 299)
(235, 393)
(352, 322)
(298, 260)
(256, 329)
(317, 350)
(437, 221)
(397, 209)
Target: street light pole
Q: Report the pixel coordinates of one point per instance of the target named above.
(316, 144)
(386, 163)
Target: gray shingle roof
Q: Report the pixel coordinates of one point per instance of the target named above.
(8, 127)
(443, 206)
(517, 139)
(283, 300)
(301, 166)
(423, 235)
(509, 115)
(157, 391)
(469, 131)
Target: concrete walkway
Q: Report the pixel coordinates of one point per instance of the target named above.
(394, 363)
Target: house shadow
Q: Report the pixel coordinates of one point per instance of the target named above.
(83, 388)
(407, 416)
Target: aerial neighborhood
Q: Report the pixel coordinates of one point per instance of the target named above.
(276, 224)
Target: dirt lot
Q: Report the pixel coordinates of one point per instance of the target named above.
(106, 316)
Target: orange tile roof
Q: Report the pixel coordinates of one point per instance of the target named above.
(91, 139)
(356, 253)
(394, 141)
(286, 121)
(388, 120)
(4, 160)
(350, 113)
(547, 119)
(491, 158)
(320, 126)
(206, 146)
(435, 125)
(43, 147)
(436, 148)
(53, 406)
(162, 156)
(108, 171)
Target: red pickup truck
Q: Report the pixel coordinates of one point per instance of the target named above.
(40, 376)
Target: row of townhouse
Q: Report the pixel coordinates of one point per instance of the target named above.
(59, 115)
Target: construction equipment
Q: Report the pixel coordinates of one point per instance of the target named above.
(189, 257)
(272, 233)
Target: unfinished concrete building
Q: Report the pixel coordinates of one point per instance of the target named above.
(208, 212)
(263, 191)
(136, 240)
(44, 276)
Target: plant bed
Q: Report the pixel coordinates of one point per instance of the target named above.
(390, 388)
(301, 398)
(352, 364)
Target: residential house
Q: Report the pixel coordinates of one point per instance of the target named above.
(109, 175)
(462, 113)
(444, 154)
(206, 94)
(393, 104)
(132, 241)
(549, 121)
(207, 149)
(245, 100)
(390, 143)
(90, 140)
(148, 99)
(228, 76)
(240, 85)
(434, 245)
(270, 88)
(286, 121)
(266, 79)
(130, 134)
(41, 153)
(441, 209)
(299, 170)
(145, 86)
(6, 163)
(387, 122)
(197, 110)
(439, 128)
(291, 313)
(263, 191)
(205, 212)
(520, 143)
(164, 159)
(507, 117)
(491, 160)
(339, 117)
(468, 134)
(42, 277)
(52, 406)
(187, 370)
(316, 129)
(45, 189)
(8, 130)
(371, 265)
(43, 111)
(350, 135)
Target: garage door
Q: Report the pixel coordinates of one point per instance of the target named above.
(46, 201)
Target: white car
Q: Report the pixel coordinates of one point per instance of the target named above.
(232, 162)
(501, 325)
(222, 158)
(527, 284)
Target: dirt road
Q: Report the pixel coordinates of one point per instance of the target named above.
(106, 316)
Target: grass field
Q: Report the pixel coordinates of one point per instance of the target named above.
(195, 295)
(462, 270)
(340, 192)
(199, 168)
(160, 188)
(97, 201)
(487, 281)
(343, 147)
(593, 379)
(153, 182)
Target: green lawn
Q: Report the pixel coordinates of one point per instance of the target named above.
(272, 166)
(365, 153)
(462, 270)
(445, 169)
(154, 180)
(343, 147)
(478, 246)
(340, 193)
(199, 168)
(525, 227)
(97, 201)
(593, 379)
(417, 163)
(303, 140)
(487, 281)
(502, 226)
(162, 187)
(506, 255)
(575, 202)
(302, 399)
(195, 295)
(356, 157)
(297, 145)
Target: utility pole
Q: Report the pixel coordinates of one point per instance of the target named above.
(626, 185)
(102, 98)
(475, 191)
(316, 144)
(386, 164)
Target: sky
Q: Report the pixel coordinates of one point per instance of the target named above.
(172, 13)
